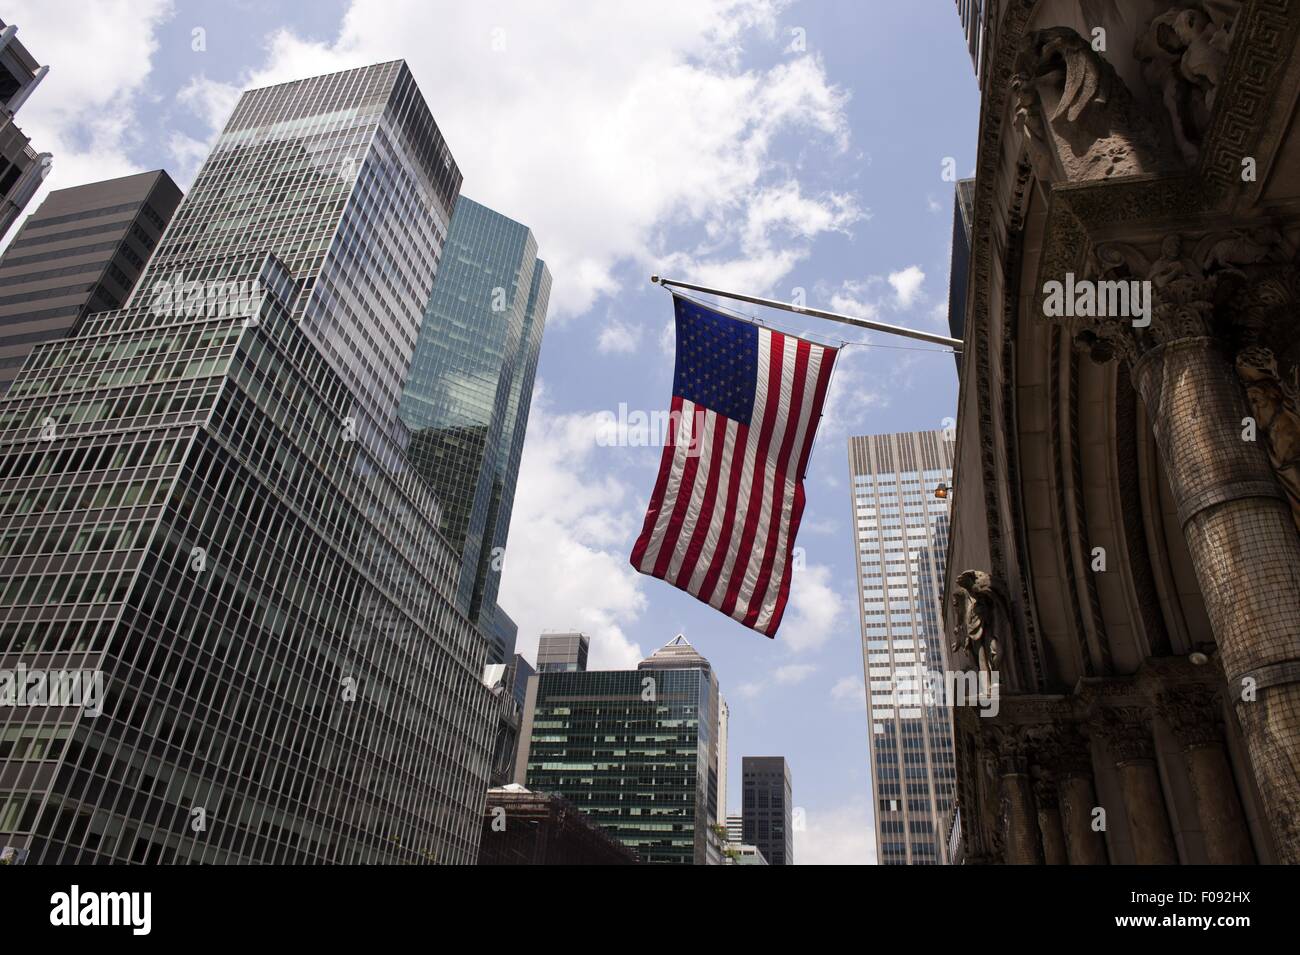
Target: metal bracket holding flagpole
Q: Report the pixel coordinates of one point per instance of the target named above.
(953, 343)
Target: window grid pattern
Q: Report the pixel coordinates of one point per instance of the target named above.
(638, 766)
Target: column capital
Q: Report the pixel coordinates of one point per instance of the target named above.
(1065, 751)
(1126, 731)
(1193, 713)
(1172, 288)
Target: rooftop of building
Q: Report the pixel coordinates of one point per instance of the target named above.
(676, 654)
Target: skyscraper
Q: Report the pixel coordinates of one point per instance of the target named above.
(634, 749)
(467, 399)
(80, 252)
(901, 529)
(22, 169)
(766, 807)
(562, 652)
(205, 499)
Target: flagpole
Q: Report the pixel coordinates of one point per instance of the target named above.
(953, 343)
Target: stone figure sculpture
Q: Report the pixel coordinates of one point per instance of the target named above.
(980, 619)
(1275, 405)
(1071, 100)
(1183, 53)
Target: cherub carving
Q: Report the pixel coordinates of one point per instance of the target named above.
(1183, 53)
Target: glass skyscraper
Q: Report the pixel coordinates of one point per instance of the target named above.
(205, 498)
(637, 750)
(467, 399)
(901, 531)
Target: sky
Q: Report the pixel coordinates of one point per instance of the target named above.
(782, 149)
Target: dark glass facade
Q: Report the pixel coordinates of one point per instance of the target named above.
(632, 750)
(80, 252)
(767, 808)
(468, 396)
(205, 498)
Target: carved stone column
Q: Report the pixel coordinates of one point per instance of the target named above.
(1192, 712)
(1127, 733)
(1021, 844)
(1071, 764)
(1049, 819)
(1234, 515)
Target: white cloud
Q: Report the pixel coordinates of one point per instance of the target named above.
(793, 673)
(851, 298)
(187, 153)
(618, 338)
(784, 207)
(814, 611)
(85, 110)
(212, 101)
(843, 835)
(827, 525)
(668, 338)
(850, 693)
(632, 119)
(565, 565)
(907, 284)
(790, 674)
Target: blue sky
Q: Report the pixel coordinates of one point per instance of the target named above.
(757, 145)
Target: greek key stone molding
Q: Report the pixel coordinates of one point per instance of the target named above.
(1265, 36)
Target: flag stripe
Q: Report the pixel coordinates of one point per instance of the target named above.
(826, 364)
(723, 431)
(773, 481)
(643, 544)
(768, 594)
(755, 503)
(702, 433)
(686, 463)
(781, 494)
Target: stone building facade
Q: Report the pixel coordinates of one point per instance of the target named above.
(1127, 476)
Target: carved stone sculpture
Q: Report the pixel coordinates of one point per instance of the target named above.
(1275, 405)
(982, 618)
(1183, 53)
(1072, 106)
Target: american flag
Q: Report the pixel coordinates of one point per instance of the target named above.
(729, 496)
